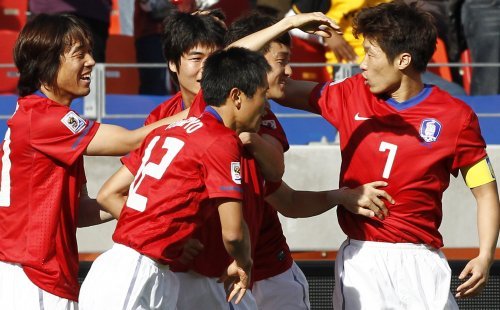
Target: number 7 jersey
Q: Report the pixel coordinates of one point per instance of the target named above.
(413, 146)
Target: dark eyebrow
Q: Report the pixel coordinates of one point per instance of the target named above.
(195, 53)
(283, 54)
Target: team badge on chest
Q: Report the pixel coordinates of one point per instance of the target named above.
(430, 129)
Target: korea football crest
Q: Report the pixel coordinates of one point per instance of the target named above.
(430, 129)
(73, 121)
(236, 172)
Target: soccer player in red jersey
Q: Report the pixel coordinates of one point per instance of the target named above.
(43, 196)
(187, 40)
(183, 174)
(414, 136)
(278, 281)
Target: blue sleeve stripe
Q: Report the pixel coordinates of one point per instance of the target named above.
(82, 135)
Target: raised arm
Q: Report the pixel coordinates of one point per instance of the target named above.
(114, 140)
(488, 222)
(90, 213)
(313, 23)
(237, 243)
(364, 200)
(297, 93)
(113, 194)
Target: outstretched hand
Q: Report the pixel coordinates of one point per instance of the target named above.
(236, 281)
(314, 23)
(366, 200)
(478, 269)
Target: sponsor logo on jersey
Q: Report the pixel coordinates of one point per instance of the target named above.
(236, 172)
(73, 121)
(430, 129)
(357, 117)
(269, 123)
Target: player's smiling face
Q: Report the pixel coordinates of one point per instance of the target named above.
(73, 76)
(382, 76)
(278, 58)
(190, 68)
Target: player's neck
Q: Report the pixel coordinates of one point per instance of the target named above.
(226, 113)
(54, 96)
(408, 88)
(187, 98)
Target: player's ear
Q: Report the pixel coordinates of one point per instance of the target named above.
(404, 61)
(172, 66)
(235, 96)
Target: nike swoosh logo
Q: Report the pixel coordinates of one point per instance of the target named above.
(360, 118)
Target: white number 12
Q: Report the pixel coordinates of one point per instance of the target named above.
(384, 146)
(137, 201)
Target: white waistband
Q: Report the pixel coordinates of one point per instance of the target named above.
(117, 247)
(389, 245)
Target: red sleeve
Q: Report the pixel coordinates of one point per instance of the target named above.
(470, 146)
(315, 95)
(61, 133)
(222, 168)
(271, 126)
(132, 160)
(154, 115)
(328, 99)
(167, 108)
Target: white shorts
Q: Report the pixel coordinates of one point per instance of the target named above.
(380, 275)
(122, 278)
(18, 292)
(288, 290)
(200, 292)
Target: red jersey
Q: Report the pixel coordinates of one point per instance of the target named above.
(272, 254)
(167, 108)
(269, 249)
(42, 175)
(413, 145)
(179, 170)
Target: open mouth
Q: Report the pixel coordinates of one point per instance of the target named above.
(85, 77)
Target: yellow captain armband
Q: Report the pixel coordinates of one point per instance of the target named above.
(480, 173)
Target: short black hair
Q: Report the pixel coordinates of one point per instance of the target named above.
(184, 31)
(399, 28)
(40, 46)
(251, 23)
(236, 67)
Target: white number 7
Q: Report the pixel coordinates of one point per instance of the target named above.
(384, 146)
(173, 146)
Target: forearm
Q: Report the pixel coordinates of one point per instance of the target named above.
(488, 220)
(113, 194)
(268, 153)
(90, 213)
(256, 41)
(114, 140)
(112, 203)
(297, 93)
(302, 204)
(238, 246)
